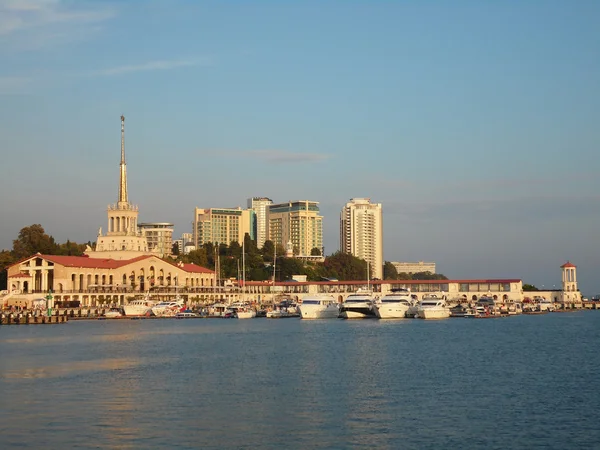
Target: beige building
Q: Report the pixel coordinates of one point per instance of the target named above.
(298, 225)
(159, 236)
(361, 232)
(123, 239)
(87, 279)
(414, 267)
(221, 225)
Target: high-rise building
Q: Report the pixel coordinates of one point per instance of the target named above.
(123, 240)
(297, 223)
(221, 225)
(159, 236)
(260, 205)
(361, 232)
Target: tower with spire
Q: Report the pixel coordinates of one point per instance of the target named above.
(123, 239)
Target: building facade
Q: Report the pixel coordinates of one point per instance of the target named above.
(260, 206)
(159, 237)
(84, 279)
(221, 225)
(298, 223)
(414, 267)
(123, 239)
(361, 232)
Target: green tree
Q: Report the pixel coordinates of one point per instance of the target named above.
(198, 257)
(529, 287)
(175, 249)
(315, 251)
(389, 271)
(428, 276)
(345, 266)
(6, 259)
(33, 239)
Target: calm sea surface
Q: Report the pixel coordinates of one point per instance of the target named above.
(519, 382)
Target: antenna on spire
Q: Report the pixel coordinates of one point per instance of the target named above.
(123, 177)
(122, 139)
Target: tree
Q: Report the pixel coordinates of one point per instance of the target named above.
(389, 271)
(268, 250)
(315, 252)
(175, 249)
(198, 257)
(31, 240)
(6, 259)
(345, 266)
(529, 287)
(428, 276)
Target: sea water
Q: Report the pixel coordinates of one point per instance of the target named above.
(517, 382)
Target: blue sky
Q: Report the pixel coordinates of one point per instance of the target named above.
(474, 123)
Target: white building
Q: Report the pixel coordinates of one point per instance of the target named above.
(260, 206)
(361, 232)
(414, 267)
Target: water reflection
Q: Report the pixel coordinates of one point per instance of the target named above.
(301, 384)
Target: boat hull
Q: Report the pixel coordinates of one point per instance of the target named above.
(246, 314)
(319, 312)
(136, 310)
(391, 311)
(357, 313)
(433, 313)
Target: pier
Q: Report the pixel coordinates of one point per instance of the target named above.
(30, 319)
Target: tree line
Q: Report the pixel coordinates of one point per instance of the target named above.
(227, 259)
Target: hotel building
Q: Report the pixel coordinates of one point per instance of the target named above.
(222, 225)
(297, 225)
(159, 236)
(414, 267)
(260, 206)
(361, 232)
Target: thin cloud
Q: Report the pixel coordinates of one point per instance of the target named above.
(150, 66)
(13, 85)
(30, 24)
(285, 157)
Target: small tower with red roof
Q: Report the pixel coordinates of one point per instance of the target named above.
(569, 277)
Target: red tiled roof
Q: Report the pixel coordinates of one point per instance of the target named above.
(21, 275)
(378, 282)
(568, 264)
(105, 263)
(194, 268)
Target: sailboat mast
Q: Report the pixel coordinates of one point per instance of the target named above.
(244, 267)
(274, 264)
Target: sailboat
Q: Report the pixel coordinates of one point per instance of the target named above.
(244, 310)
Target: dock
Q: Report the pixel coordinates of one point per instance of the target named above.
(29, 319)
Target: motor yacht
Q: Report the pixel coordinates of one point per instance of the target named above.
(187, 314)
(243, 310)
(394, 305)
(358, 305)
(139, 306)
(168, 308)
(319, 307)
(433, 307)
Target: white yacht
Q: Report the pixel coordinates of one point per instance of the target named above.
(113, 313)
(168, 308)
(433, 307)
(319, 307)
(394, 305)
(243, 310)
(139, 306)
(358, 305)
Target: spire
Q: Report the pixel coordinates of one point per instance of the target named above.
(123, 177)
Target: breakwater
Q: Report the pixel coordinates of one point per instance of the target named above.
(30, 319)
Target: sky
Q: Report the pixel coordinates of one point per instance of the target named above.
(474, 124)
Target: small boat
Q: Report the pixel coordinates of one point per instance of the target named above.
(187, 314)
(113, 313)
